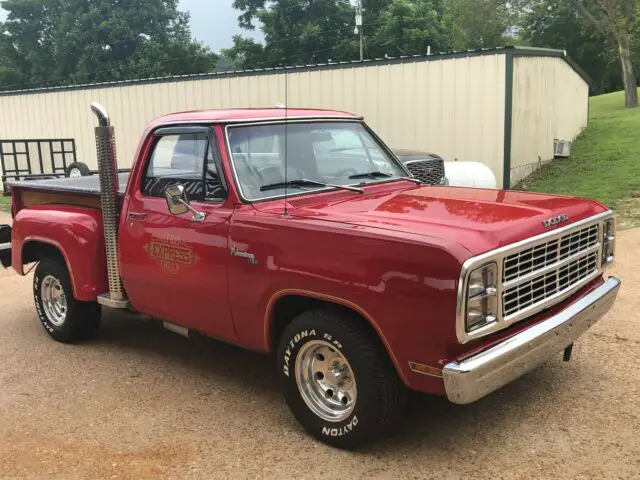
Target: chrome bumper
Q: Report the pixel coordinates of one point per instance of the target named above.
(477, 376)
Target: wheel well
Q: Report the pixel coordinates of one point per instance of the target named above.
(289, 307)
(35, 251)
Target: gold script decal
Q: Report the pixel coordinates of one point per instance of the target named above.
(171, 253)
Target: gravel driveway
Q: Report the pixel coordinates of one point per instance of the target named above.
(141, 402)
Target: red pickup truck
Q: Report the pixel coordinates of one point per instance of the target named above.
(299, 233)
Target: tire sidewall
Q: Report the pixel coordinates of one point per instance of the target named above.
(337, 433)
(81, 167)
(45, 268)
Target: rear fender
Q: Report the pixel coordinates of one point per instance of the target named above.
(75, 232)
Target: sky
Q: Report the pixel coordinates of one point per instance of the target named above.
(213, 22)
(214, 25)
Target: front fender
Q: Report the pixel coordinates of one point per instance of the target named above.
(76, 232)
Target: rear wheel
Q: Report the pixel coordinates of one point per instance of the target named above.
(62, 316)
(338, 380)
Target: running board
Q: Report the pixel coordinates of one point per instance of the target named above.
(106, 300)
(176, 329)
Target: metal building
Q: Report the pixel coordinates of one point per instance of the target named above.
(503, 107)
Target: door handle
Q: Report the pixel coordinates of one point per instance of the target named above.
(136, 215)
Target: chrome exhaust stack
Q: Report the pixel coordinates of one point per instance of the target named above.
(108, 174)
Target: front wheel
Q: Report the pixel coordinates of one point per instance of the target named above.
(338, 380)
(62, 316)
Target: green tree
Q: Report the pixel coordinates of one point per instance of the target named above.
(54, 42)
(477, 24)
(618, 20)
(295, 31)
(557, 24)
(409, 27)
(245, 53)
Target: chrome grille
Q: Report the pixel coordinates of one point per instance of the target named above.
(541, 256)
(543, 286)
(537, 273)
(428, 171)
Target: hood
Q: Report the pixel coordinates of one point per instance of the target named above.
(477, 219)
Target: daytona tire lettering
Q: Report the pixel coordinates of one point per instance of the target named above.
(338, 432)
(296, 339)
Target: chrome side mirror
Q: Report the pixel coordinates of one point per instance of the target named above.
(178, 202)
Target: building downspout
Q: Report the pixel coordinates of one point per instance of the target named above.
(108, 174)
(508, 120)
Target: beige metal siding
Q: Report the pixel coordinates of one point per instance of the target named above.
(453, 107)
(550, 100)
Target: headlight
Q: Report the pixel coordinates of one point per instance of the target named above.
(482, 297)
(608, 241)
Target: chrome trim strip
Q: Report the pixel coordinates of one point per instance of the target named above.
(498, 256)
(481, 374)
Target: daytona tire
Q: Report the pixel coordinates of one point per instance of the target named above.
(338, 380)
(62, 316)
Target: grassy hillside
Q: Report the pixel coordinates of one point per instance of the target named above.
(604, 162)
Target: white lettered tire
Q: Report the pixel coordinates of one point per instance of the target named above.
(62, 316)
(338, 380)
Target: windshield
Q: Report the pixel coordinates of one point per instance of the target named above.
(327, 152)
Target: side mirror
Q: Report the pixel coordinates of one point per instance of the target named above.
(177, 200)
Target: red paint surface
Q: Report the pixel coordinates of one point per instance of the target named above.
(392, 254)
(76, 232)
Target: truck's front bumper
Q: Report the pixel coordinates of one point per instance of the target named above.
(481, 374)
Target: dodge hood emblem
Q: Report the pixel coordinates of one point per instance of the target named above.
(550, 222)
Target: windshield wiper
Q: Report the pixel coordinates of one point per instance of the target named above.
(301, 183)
(379, 174)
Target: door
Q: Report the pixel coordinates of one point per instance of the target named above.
(174, 267)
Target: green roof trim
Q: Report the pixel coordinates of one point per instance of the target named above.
(550, 52)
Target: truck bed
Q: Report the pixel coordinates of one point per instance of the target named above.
(79, 191)
(89, 185)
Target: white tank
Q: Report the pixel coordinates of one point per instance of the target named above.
(469, 174)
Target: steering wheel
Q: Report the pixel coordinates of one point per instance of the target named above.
(345, 172)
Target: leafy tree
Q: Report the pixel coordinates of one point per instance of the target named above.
(408, 27)
(617, 19)
(245, 53)
(295, 31)
(479, 23)
(557, 24)
(303, 31)
(53, 42)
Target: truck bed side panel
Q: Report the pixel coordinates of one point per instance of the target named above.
(76, 232)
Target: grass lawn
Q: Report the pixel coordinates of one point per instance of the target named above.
(604, 162)
(5, 203)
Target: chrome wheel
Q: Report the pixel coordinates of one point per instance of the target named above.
(326, 381)
(54, 300)
(75, 173)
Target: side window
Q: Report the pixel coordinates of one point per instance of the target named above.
(181, 159)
